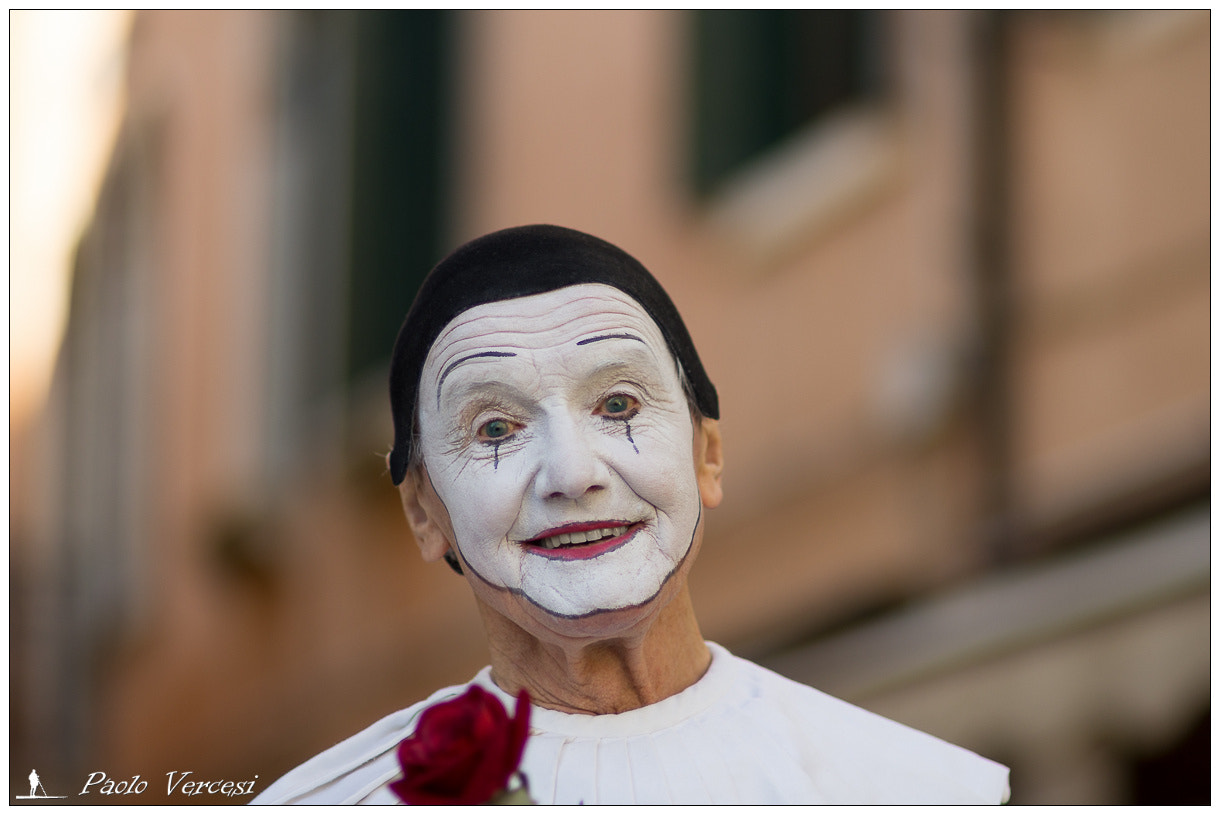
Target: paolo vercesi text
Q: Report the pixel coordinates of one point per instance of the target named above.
(176, 782)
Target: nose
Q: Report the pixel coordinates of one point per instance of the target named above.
(570, 466)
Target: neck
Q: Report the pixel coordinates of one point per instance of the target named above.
(651, 661)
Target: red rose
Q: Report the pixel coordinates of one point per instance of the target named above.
(464, 750)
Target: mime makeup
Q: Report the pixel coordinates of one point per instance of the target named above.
(559, 442)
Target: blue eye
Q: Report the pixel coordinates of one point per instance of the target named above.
(619, 406)
(496, 429)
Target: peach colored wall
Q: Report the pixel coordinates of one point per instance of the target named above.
(1114, 242)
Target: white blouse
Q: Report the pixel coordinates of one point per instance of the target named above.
(740, 735)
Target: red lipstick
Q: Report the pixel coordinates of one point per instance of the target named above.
(554, 543)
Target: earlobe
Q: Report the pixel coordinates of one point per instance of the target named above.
(425, 515)
(709, 462)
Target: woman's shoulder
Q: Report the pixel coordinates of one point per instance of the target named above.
(861, 754)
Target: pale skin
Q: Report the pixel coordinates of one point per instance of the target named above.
(564, 453)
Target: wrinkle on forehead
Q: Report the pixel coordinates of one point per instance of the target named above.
(539, 321)
(537, 305)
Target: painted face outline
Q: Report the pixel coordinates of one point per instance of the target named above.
(555, 414)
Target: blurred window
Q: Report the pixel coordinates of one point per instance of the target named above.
(362, 153)
(761, 76)
(400, 159)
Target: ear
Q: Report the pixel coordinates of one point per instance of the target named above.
(709, 462)
(426, 515)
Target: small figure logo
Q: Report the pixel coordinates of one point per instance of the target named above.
(35, 786)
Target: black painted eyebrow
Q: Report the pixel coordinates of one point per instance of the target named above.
(456, 363)
(610, 337)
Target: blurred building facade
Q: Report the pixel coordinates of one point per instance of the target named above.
(949, 272)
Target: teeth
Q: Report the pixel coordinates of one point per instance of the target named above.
(569, 538)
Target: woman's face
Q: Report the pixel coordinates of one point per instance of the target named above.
(556, 434)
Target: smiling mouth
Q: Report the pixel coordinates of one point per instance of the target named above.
(579, 541)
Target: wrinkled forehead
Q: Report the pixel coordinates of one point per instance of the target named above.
(573, 316)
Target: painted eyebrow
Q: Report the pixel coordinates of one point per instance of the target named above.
(610, 337)
(456, 363)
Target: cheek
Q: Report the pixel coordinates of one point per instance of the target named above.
(483, 501)
(662, 471)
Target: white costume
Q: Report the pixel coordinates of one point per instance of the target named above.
(740, 735)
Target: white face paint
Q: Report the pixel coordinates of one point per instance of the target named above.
(555, 419)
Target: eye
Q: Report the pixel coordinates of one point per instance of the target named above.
(496, 429)
(619, 406)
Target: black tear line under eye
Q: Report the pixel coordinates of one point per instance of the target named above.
(627, 424)
(494, 444)
(626, 420)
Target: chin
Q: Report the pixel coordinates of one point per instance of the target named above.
(616, 619)
(608, 623)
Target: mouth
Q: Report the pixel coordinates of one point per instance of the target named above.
(583, 540)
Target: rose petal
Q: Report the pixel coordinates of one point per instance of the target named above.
(463, 751)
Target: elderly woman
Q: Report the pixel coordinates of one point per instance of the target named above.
(556, 441)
